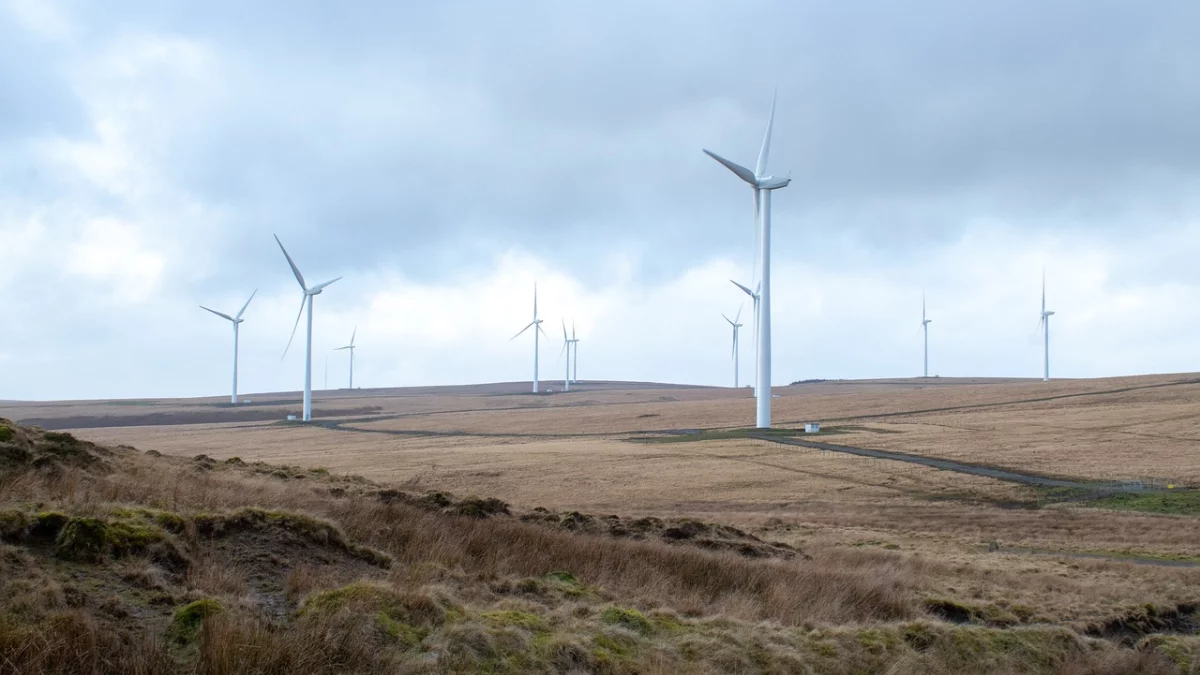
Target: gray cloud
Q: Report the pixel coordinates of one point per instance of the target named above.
(431, 137)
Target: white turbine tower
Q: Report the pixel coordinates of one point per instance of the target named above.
(351, 348)
(235, 320)
(537, 325)
(307, 299)
(925, 327)
(762, 184)
(734, 322)
(1044, 326)
(574, 348)
(567, 350)
(754, 296)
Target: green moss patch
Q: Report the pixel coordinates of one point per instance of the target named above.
(396, 612)
(187, 619)
(1176, 502)
(628, 618)
(89, 539)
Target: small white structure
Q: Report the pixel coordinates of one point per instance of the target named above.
(812, 427)
(291, 418)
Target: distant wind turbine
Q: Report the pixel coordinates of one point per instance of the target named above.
(754, 295)
(734, 322)
(536, 324)
(235, 320)
(351, 348)
(1044, 326)
(567, 350)
(925, 327)
(574, 348)
(307, 299)
(762, 184)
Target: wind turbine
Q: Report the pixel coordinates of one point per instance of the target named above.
(763, 184)
(925, 327)
(307, 299)
(567, 349)
(351, 348)
(754, 295)
(734, 322)
(1044, 326)
(235, 320)
(537, 325)
(574, 348)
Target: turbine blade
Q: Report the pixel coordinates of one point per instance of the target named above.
(761, 169)
(531, 323)
(223, 316)
(1043, 291)
(535, 301)
(542, 330)
(295, 270)
(565, 338)
(338, 349)
(318, 287)
(303, 298)
(747, 291)
(352, 336)
(741, 171)
(738, 317)
(243, 310)
(572, 329)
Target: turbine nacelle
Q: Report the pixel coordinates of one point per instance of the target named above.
(773, 183)
(757, 182)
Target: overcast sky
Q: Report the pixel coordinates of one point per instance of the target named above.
(444, 156)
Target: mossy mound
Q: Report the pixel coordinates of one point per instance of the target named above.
(395, 616)
(315, 530)
(187, 619)
(627, 618)
(31, 448)
(87, 539)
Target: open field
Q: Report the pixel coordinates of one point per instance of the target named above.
(1000, 548)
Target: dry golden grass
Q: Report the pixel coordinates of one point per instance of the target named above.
(568, 451)
(486, 594)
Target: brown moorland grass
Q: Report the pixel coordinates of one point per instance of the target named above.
(465, 594)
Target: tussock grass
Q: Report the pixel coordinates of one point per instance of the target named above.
(399, 585)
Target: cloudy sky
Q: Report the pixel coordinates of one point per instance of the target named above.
(443, 157)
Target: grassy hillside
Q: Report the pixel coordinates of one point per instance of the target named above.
(118, 561)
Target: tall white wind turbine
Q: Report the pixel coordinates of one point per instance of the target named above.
(536, 324)
(306, 300)
(235, 320)
(1044, 326)
(925, 327)
(754, 296)
(763, 184)
(351, 348)
(734, 322)
(574, 348)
